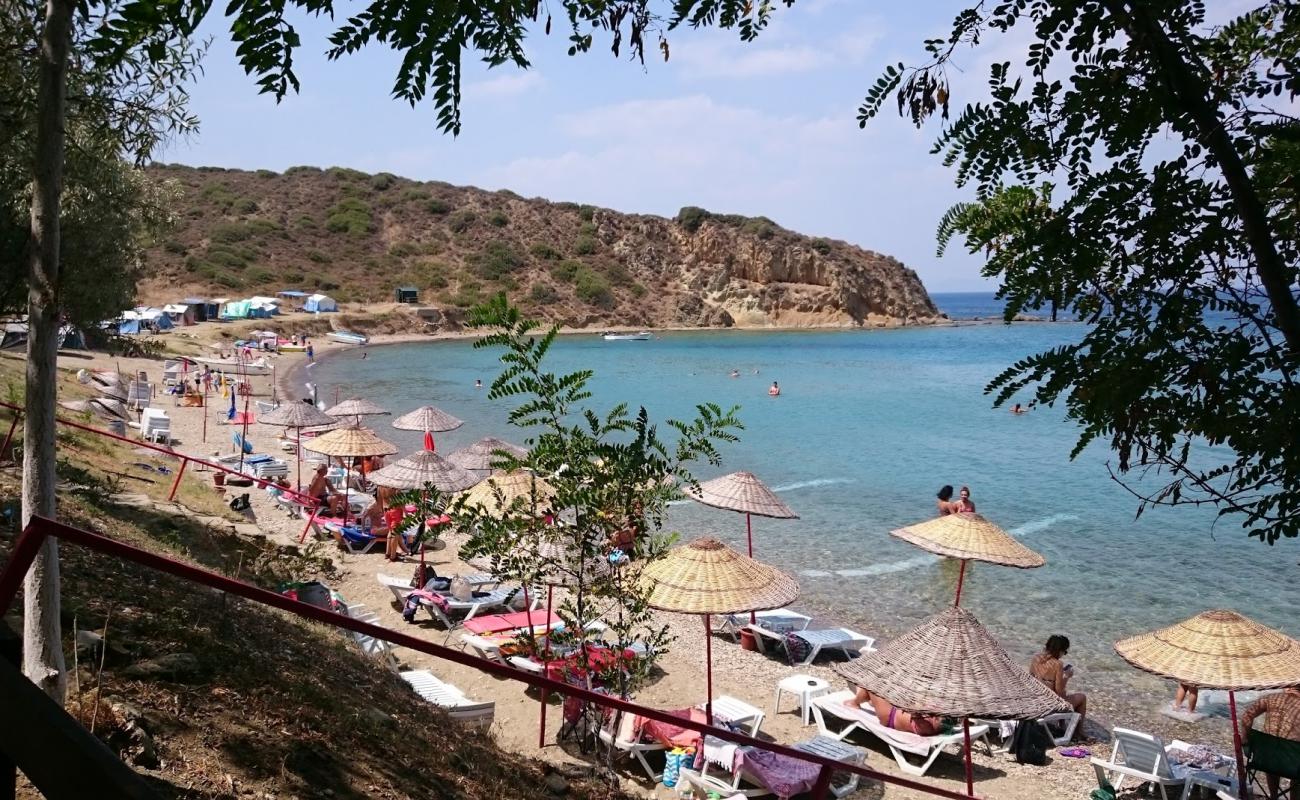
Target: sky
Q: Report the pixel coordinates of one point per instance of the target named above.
(763, 128)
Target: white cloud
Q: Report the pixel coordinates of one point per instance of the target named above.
(776, 52)
(506, 84)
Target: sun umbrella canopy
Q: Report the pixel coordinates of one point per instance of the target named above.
(425, 468)
(970, 536)
(741, 491)
(480, 454)
(350, 442)
(297, 415)
(427, 418)
(707, 577)
(951, 665)
(355, 407)
(1217, 650)
(517, 485)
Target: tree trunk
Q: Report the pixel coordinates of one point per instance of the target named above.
(42, 645)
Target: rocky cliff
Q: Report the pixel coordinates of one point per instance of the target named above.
(360, 236)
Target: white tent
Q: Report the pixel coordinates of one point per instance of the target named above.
(320, 302)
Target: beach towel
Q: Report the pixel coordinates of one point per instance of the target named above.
(782, 775)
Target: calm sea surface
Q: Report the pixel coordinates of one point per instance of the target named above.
(868, 426)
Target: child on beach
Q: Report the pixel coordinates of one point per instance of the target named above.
(1188, 693)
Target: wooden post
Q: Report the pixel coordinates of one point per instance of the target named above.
(961, 578)
(708, 660)
(176, 484)
(823, 784)
(1242, 789)
(9, 437)
(970, 769)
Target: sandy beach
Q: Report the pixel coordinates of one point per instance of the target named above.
(749, 676)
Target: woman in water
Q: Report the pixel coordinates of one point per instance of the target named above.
(920, 724)
(1048, 667)
(945, 503)
(964, 504)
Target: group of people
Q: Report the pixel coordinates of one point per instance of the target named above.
(962, 505)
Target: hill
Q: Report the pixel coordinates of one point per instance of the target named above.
(359, 236)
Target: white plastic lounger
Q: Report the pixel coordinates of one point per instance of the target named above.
(1065, 722)
(850, 642)
(459, 707)
(1144, 758)
(626, 743)
(704, 783)
(400, 587)
(737, 712)
(483, 647)
(900, 743)
(493, 599)
(777, 619)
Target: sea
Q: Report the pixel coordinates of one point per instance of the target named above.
(868, 426)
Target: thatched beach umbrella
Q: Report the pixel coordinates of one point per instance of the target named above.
(429, 420)
(297, 416)
(1218, 650)
(425, 468)
(511, 486)
(353, 442)
(481, 454)
(356, 407)
(967, 537)
(706, 577)
(950, 665)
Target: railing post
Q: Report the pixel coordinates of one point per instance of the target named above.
(176, 484)
(9, 437)
(10, 650)
(823, 784)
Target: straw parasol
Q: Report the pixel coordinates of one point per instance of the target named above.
(425, 468)
(950, 665)
(350, 443)
(1218, 649)
(479, 455)
(427, 419)
(355, 407)
(297, 416)
(707, 577)
(512, 486)
(968, 536)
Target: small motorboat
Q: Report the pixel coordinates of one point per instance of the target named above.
(348, 337)
(236, 366)
(628, 337)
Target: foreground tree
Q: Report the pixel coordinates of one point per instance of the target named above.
(1143, 170)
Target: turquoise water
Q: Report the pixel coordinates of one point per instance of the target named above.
(868, 426)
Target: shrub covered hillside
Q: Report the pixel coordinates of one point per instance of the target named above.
(359, 236)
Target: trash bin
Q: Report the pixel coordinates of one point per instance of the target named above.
(747, 640)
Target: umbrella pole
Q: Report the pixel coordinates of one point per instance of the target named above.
(1236, 747)
(297, 454)
(242, 445)
(708, 658)
(205, 412)
(961, 578)
(749, 534)
(546, 663)
(970, 770)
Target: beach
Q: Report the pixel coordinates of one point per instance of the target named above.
(748, 676)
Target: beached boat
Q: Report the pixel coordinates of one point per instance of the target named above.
(258, 367)
(348, 337)
(628, 337)
(292, 348)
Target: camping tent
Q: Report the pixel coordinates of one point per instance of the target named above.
(201, 308)
(154, 317)
(320, 302)
(235, 309)
(180, 313)
(261, 310)
(71, 338)
(271, 304)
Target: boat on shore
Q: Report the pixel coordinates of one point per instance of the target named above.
(348, 337)
(628, 337)
(234, 367)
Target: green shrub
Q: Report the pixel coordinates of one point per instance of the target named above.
(346, 174)
(382, 181)
(567, 206)
(229, 232)
(267, 173)
(403, 249)
(351, 216)
(584, 246)
(319, 257)
(586, 212)
(508, 193)
(591, 287)
(545, 252)
(762, 227)
(638, 290)
(544, 294)
(226, 258)
(499, 219)
(303, 170)
(173, 246)
(437, 282)
(692, 217)
(259, 276)
(261, 226)
(822, 246)
(467, 294)
(306, 222)
(193, 263)
(414, 194)
(496, 261)
(567, 271)
(616, 272)
(229, 280)
(218, 193)
(461, 221)
(293, 278)
(244, 205)
(437, 206)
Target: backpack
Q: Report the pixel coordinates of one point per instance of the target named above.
(796, 649)
(240, 503)
(1030, 743)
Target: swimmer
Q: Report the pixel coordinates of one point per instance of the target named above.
(775, 390)
(1019, 409)
(735, 373)
(478, 384)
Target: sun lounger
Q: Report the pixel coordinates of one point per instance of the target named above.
(736, 712)
(843, 639)
(1060, 727)
(458, 706)
(900, 743)
(779, 619)
(1145, 758)
(492, 599)
(356, 541)
(769, 773)
(623, 739)
(400, 587)
(484, 648)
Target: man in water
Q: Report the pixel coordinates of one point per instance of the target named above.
(1018, 409)
(775, 391)
(735, 373)
(478, 384)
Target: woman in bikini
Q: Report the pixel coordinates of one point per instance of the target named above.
(897, 719)
(1049, 668)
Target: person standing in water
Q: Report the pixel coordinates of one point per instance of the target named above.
(964, 504)
(775, 391)
(478, 384)
(311, 353)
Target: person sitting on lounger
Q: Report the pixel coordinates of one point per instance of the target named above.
(1048, 667)
(891, 717)
(324, 493)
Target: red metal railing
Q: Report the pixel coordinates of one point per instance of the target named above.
(261, 483)
(31, 539)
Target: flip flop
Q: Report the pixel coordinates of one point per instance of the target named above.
(1075, 752)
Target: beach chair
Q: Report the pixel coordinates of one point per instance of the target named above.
(1060, 727)
(618, 734)
(155, 425)
(485, 648)
(1145, 758)
(354, 540)
(849, 642)
(736, 712)
(720, 755)
(458, 706)
(492, 599)
(400, 587)
(376, 648)
(901, 743)
(1271, 755)
(777, 619)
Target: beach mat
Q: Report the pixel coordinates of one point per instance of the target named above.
(1181, 716)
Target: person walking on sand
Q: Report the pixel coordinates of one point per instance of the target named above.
(1281, 712)
(311, 353)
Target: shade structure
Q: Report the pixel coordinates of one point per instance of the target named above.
(355, 407)
(950, 665)
(517, 485)
(298, 416)
(350, 442)
(424, 468)
(480, 455)
(427, 418)
(1218, 649)
(742, 492)
(706, 577)
(969, 536)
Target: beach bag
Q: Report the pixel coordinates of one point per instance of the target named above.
(1030, 743)
(240, 503)
(460, 589)
(796, 649)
